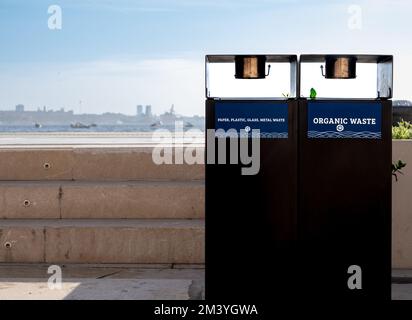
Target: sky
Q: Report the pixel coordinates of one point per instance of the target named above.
(110, 56)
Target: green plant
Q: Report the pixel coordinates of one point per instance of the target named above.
(396, 168)
(402, 131)
(313, 94)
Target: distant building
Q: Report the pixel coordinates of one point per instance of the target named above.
(402, 110)
(169, 117)
(402, 103)
(148, 110)
(139, 112)
(20, 108)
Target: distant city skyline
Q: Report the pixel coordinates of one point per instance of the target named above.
(146, 110)
(46, 117)
(113, 55)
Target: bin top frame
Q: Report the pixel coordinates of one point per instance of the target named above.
(384, 68)
(361, 58)
(292, 59)
(273, 58)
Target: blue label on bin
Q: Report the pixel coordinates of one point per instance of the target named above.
(270, 118)
(355, 120)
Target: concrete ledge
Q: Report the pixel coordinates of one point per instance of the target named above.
(91, 164)
(21, 242)
(102, 241)
(28, 164)
(102, 200)
(89, 139)
(129, 164)
(29, 200)
(148, 200)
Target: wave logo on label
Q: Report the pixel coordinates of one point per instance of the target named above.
(340, 128)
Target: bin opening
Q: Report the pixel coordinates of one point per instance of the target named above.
(250, 67)
(340, 67)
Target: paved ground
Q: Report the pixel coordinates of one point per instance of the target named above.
(402, 284)
(108, 282)
(127, 282)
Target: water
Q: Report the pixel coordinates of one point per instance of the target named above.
(99, 128)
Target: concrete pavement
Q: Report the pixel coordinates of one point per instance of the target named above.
(127, 282)
(103, 282)
(402, 284)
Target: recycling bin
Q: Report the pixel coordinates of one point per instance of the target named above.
(251, 175)
(344, 165)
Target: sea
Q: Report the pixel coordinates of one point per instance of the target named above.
(98, 128)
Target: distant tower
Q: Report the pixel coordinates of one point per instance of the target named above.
(20, 108)
(148, 110)
(139, 110)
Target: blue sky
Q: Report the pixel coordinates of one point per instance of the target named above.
(113, 55)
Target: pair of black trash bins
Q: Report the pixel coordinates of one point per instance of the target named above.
(299, 206)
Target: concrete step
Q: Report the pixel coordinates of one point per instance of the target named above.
(101, 200)
(103, 270)
(102, 241)
(91, 164)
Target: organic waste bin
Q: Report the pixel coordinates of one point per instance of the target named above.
(345, 145)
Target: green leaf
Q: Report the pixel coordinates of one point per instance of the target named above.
(396, 168)
(313, 93)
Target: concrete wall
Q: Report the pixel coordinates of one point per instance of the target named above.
(28, 165)
(101, 204)
(402, 207)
